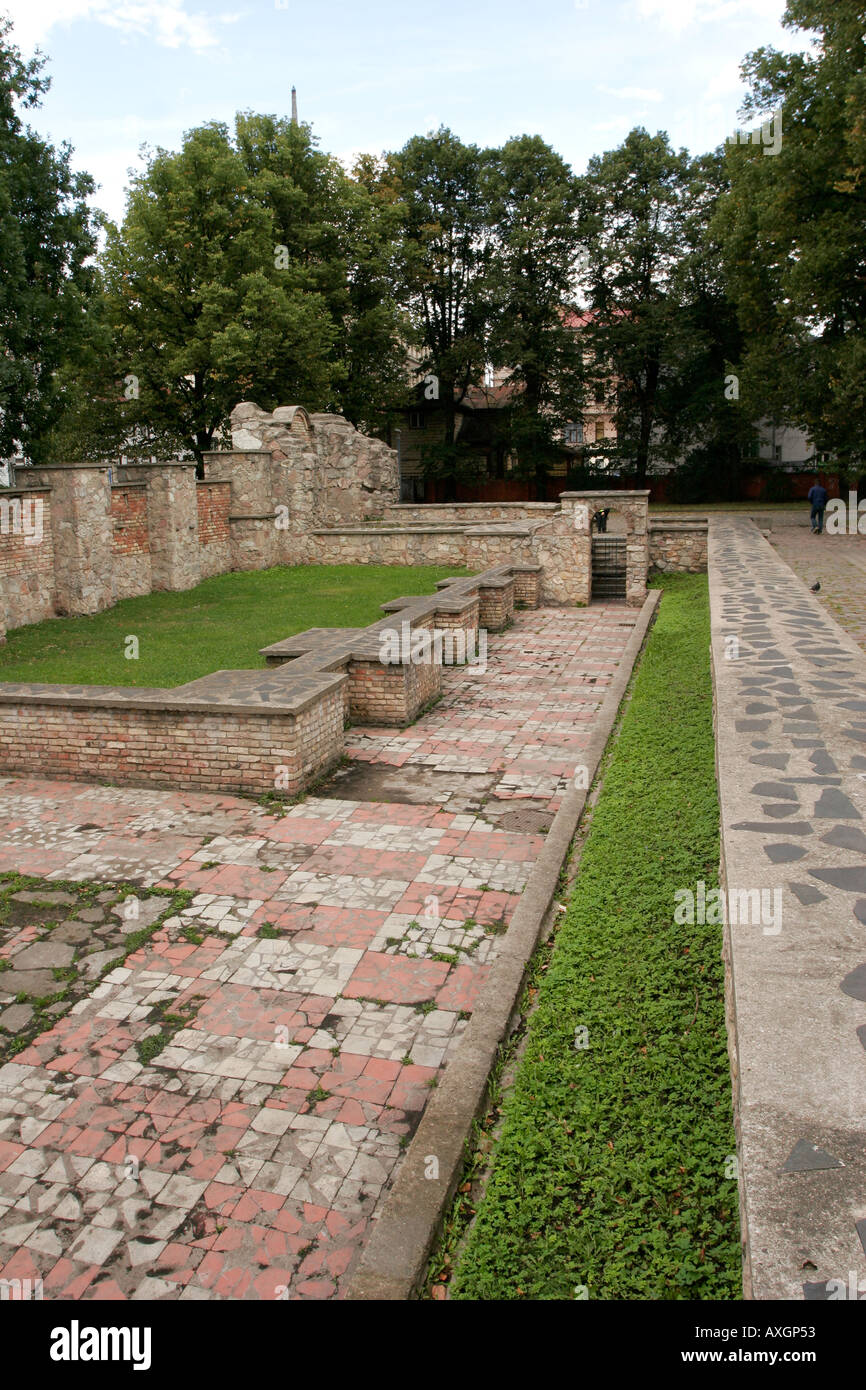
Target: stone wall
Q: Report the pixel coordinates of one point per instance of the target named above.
(280, 496)
(143, 744)
(82, 535)
(628, 515)
(678, 546)
(479, 513)
(160, 529)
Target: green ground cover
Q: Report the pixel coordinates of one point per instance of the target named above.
(221, 624)
(610, 1174)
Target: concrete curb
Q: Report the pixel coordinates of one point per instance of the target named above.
(394, 1261)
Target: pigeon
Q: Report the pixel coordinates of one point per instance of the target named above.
(816, 586)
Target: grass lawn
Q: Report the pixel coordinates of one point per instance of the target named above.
(221, 623)
(609, 1170)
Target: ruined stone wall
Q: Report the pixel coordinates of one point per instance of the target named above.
(375, 546)
(82, 534)
(628, 516)
(320, 467)
(281, 496)
(358, 476)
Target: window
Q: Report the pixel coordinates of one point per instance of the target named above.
(416, 420)
(574, 433)
(599, 431)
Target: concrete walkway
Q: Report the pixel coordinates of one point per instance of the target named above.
(791, 745)
(308, 996)
(838, 564)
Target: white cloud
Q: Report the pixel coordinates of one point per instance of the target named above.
(166, 22)
(634, 93)
(727, 82)
(681, 14)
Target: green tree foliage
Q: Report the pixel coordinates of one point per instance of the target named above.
(443, 261)
(205, 309)
(792, 230)
(634, 219)
(248, 265)
(530, 195)
(47, 235)
(706, 419)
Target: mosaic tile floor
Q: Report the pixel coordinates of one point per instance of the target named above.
(305, 995)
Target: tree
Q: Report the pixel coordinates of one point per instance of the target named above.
(792, 231)
(205, 307)
(531, 197)
(705, 418)
(634, 207)
(47, 235)
(443, 265)
(339, 235)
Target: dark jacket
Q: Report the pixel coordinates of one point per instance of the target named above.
(818, 495)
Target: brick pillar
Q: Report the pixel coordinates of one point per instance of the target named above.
(82, 532)
(172, 520)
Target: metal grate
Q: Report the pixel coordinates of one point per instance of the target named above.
(608, 567)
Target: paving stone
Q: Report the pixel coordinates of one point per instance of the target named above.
(846, 837)
(29, 895)
(808, 1158)
(784, 854)
(835, 805)
(36, 982)
(850, 880)
(16, 1017)
(806, 894)
(854, 983)
(73, 932)
(44, 955)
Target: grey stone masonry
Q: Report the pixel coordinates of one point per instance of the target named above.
(81, 534)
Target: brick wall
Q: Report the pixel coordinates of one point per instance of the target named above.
(129, 518)
(130, 542)
(214, 532)
(26, 558)
(212, 750)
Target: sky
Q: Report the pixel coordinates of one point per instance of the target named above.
(581, 73)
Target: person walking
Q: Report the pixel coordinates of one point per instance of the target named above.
(819, 497)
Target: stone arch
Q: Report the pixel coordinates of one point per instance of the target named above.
(295, 418)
